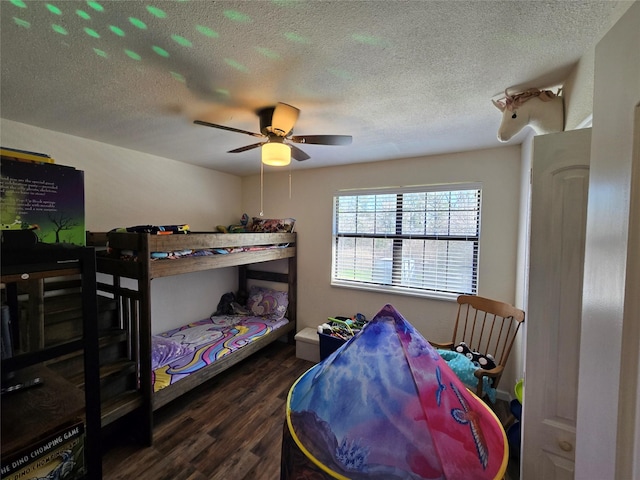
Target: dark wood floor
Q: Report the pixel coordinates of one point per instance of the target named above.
(229, 428)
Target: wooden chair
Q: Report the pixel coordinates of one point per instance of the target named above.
(488, 327)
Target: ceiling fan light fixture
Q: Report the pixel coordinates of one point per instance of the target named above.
(276, 125)
(276, 154)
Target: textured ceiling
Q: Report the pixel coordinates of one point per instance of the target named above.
(404, 78)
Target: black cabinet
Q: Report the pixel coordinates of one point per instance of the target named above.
(49, 311)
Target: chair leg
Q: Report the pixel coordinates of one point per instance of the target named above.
(479, 390)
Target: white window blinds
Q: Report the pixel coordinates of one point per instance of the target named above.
(420, 240)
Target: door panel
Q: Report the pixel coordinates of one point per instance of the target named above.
(560, 181)
(556, 467)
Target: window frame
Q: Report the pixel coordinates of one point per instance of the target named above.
(396, 287)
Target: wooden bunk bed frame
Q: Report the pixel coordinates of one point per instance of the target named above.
(134, 304)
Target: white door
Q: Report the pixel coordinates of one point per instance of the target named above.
(559, 186)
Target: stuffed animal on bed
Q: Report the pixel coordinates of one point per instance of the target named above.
(232, 304)
(236, 228)
(225, 305)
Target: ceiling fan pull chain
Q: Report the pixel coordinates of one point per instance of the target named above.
(289, 181)
(261, 188)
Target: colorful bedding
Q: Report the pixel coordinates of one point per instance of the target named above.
(204, 342)
(133, 255)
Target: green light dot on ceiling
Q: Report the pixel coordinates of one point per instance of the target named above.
(133, 55)
(91, 32)
(160, 51)
(59, 29)
(294, 37)
(237, 65)
(53, 9)
(118, 31)
(138, 23)
(156, 12)
(19, 3)
(100, 53)
(268, 53)
(21, 23)
(181, 41)
(83, 14)
(286, 3)
(96, 6)
(236, 16)
(178, 77)
(206, 31)
(369, 40)
(223, 92)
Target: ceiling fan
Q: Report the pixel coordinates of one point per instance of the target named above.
(276, 125)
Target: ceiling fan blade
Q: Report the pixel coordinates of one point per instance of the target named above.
(284, 118)
(322, 139)
(246, 147)
(298, 154)
(223, 127)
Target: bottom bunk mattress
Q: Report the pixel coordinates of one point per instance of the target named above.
(183, 351)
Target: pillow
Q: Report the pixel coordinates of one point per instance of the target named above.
(479, 360)
(165, 350)
(272, 225)
(266, 302)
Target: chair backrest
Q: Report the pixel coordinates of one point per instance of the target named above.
(487, 326)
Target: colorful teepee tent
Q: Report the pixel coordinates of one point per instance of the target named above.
(387, 406)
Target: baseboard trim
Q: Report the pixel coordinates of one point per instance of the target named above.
(503, 395)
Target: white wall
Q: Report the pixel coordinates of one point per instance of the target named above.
(578, 86)
(578, 92)
(311, 205)
(125, 188)
(608, 428)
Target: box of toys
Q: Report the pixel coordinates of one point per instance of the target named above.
(337, 331)
(60, 455)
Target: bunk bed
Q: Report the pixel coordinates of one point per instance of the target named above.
(144, 256)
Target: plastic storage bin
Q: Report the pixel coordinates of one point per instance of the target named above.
(329, 344)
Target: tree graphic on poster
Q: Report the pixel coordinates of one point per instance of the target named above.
(61, 223)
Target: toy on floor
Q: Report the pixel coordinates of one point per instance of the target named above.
(385, 405)
(343, 327)
(514, 430)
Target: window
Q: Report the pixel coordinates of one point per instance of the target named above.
(422, 241)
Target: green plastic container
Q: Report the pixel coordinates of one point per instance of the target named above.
(519, 390)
